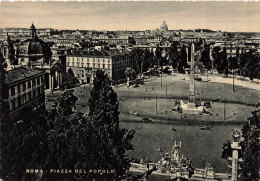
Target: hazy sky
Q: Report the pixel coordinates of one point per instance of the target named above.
(225, 16)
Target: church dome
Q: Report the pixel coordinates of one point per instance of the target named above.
(164, 27)
(34, 46)
(32, 26)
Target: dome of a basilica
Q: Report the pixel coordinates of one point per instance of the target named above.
(32, 26)
(34, 46)
(164, 27)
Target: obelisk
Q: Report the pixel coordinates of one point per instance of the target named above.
(192, 81)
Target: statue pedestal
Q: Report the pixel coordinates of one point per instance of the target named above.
(235, 148)
(192, 105)
(191, 108)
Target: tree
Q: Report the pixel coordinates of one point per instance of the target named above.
(66, 104)
(205, 58)
(69, 79)
(250, 148)
(227, 151)
(158, 55)
(232, 63)
(137, 55)
(183, 60)
(112, 142)
(69, 138)
(24, 147)
(224, 63)
(251, 68)
(242, 62)
(130, 74)
(174, 55)
(220, 60)
(148, 57)
(250, 152)
(4, 105)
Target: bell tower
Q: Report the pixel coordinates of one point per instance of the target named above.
(8, 51)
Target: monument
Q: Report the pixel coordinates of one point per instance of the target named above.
(175, 151)
(235, 146)
(192, 93)
(191, 106)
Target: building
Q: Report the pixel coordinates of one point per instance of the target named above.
(124, 40)
(164, 27)
(8, 51)
(26, 90)
(34, 51)
(85, 65)
(24, 32)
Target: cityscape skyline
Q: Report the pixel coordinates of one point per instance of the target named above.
(132, 16)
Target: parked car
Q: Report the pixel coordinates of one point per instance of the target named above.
(208, 104)
(204, 127)
(134, 113)
(173, 128)
(146, 120)
(83, 105)
(198, 79)
(136, 85)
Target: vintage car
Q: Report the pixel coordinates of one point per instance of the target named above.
(134, 113)
(146, 120)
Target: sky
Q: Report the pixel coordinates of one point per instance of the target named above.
(224, 16)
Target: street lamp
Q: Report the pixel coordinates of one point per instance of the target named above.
(203, 167)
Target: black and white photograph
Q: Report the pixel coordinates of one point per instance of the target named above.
(129, 90)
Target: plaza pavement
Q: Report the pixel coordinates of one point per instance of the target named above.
(142, 99)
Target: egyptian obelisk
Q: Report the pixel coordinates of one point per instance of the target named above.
(192, 81)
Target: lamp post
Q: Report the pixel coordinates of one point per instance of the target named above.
(233, 80)
(166, 91)
(161, 76)
(156, 103)
(203, 167)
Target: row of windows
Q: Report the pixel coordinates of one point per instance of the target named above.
(22, 87)
(82, 75)
(78, 59)
(99, 65)
(94, 65)
(22, 99)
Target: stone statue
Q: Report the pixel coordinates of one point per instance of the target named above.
(175, 151)
(236, 134)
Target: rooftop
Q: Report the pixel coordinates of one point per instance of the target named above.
(21, 73)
